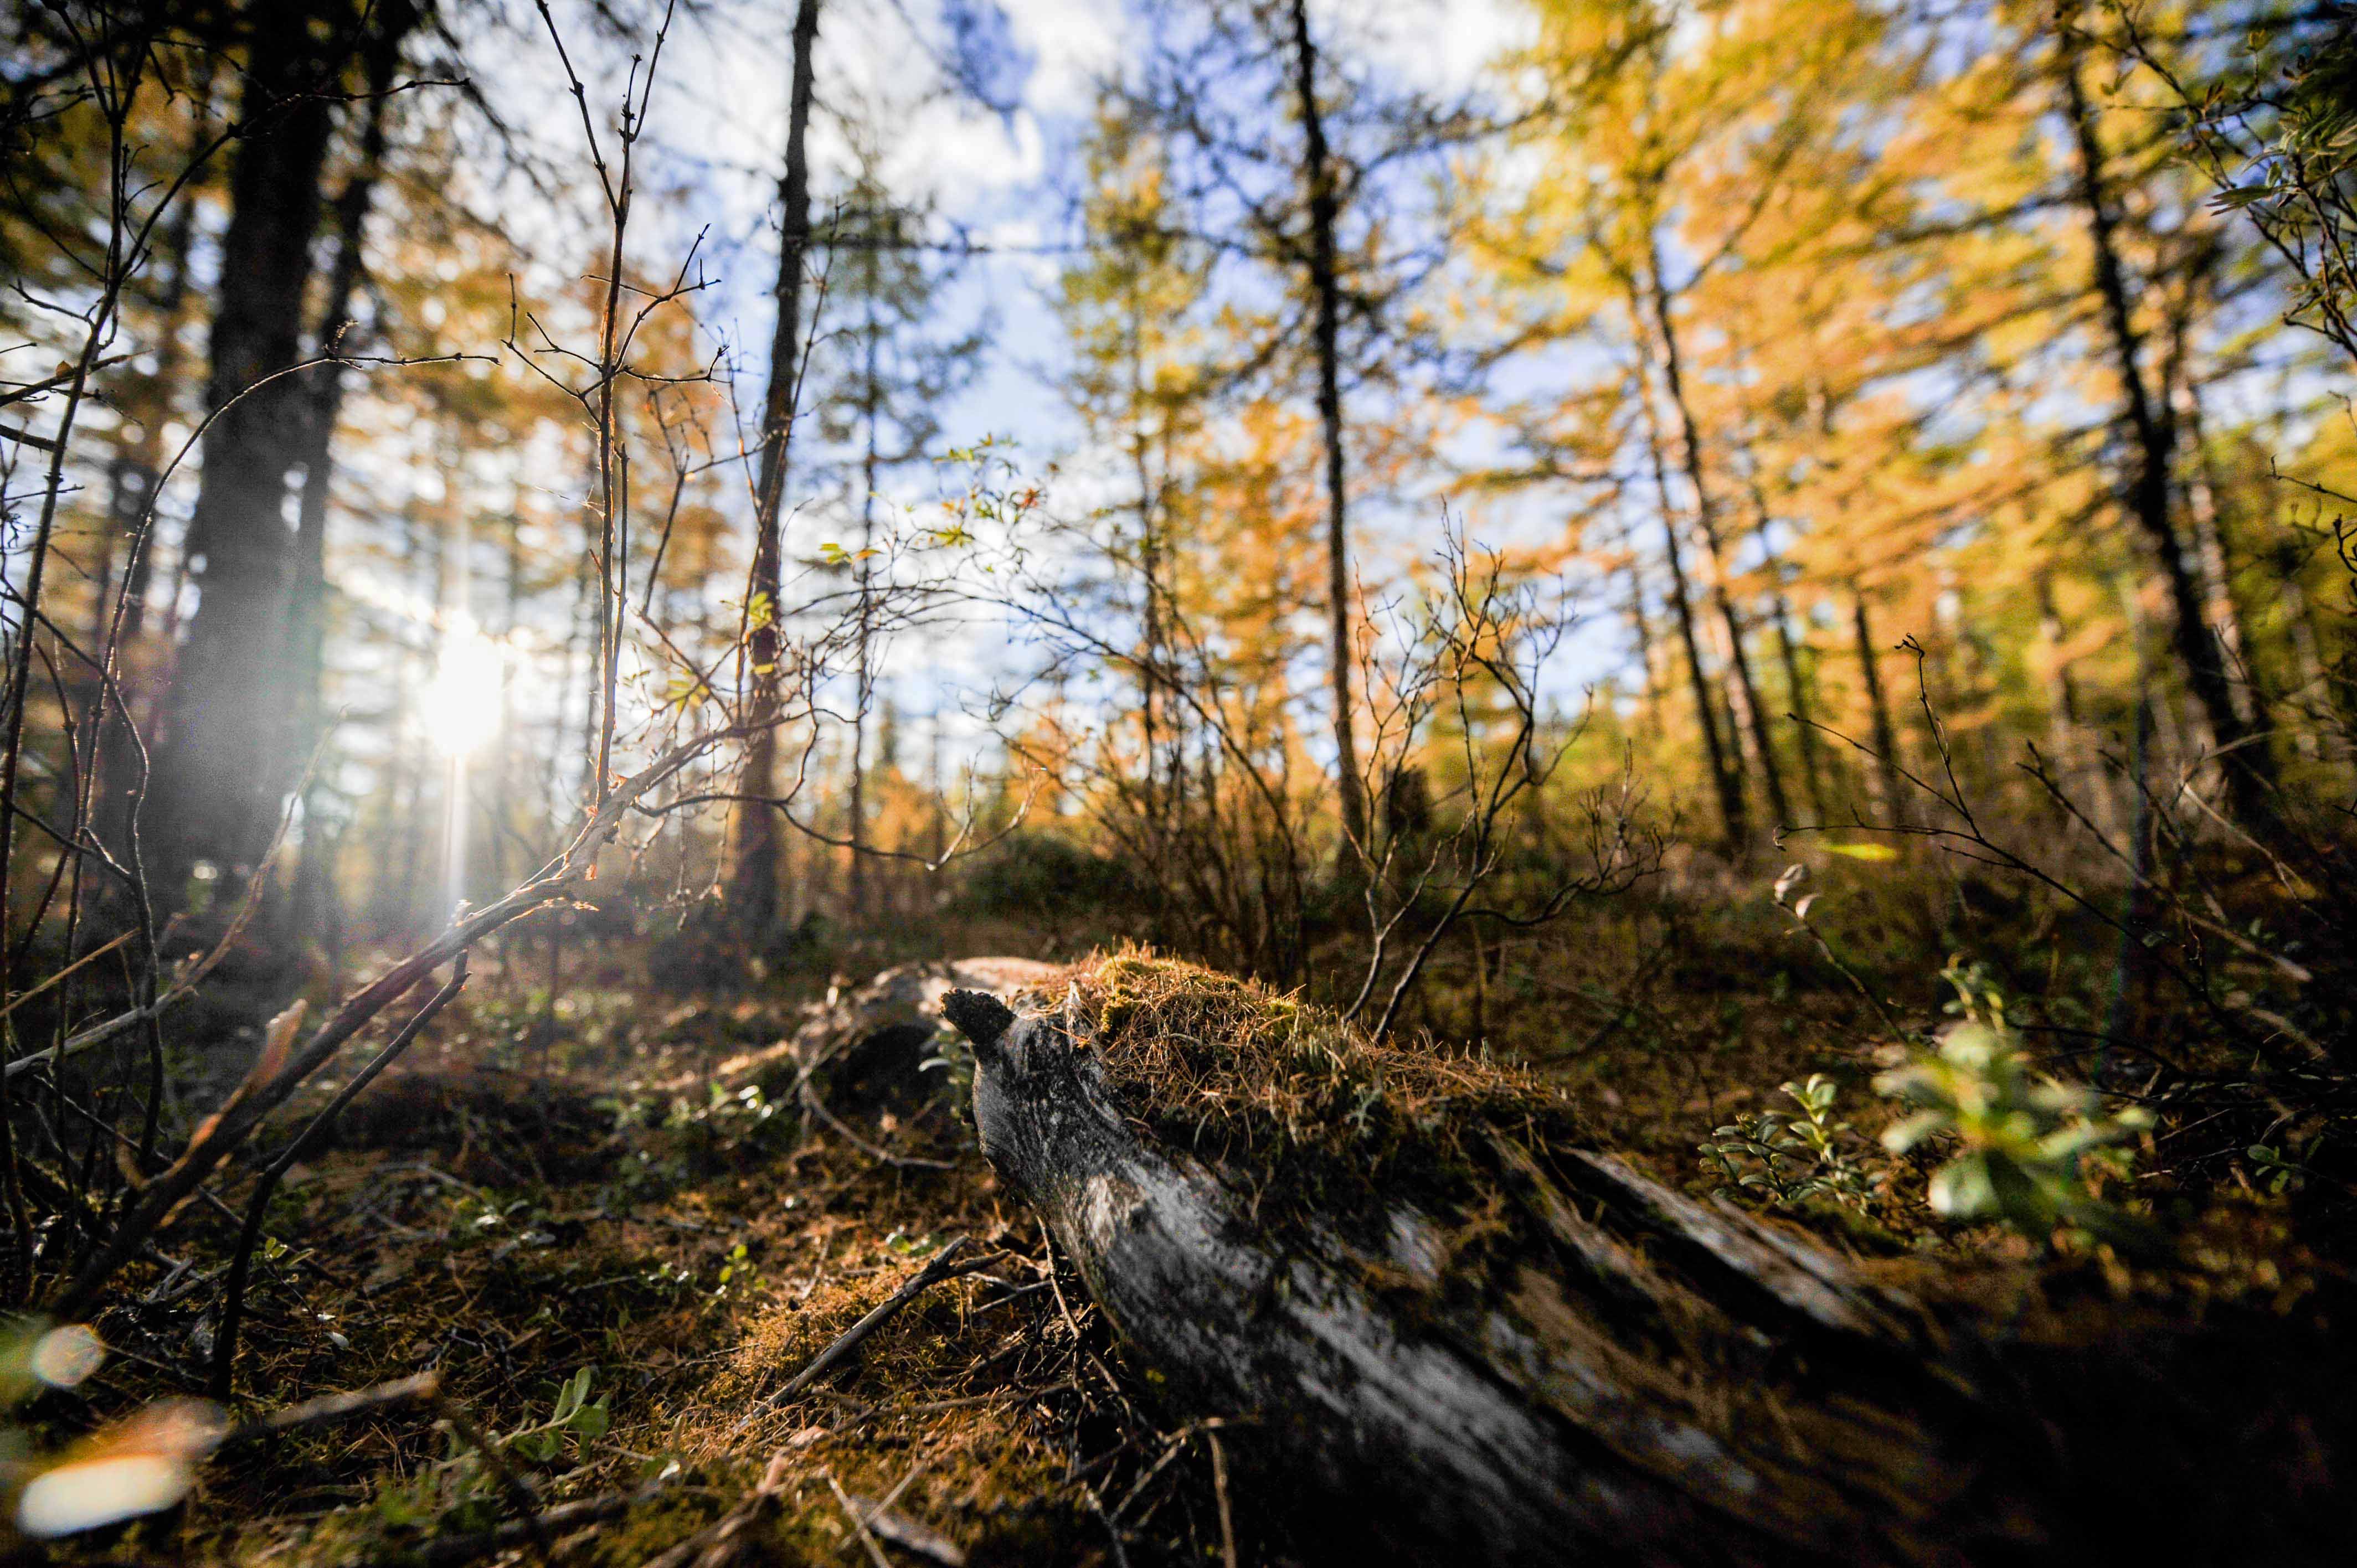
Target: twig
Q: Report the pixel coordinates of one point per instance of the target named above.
(875, 1551)
(527, 1506)
(187, 982)
(903, 1531)
(1220, 1485)
(337, 1406)
(253, 1100)
(711, 1544)
(1112, 1531)
(1063, 1306)
(258, 1206)
(940, 1268)
(23, 997)
(561, 1519)
(810, 1098)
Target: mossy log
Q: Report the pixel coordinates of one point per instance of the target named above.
(1559, 1358)
(864, 1048)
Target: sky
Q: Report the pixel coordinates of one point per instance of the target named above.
(999, 178)
(997, 175)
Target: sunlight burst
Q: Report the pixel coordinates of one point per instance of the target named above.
(462, 708)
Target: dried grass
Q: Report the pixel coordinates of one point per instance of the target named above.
(1322, 1122)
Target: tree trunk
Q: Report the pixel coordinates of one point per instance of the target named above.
(2065, 727)
(121, 771)
(1153, 668)
(1325, 285)
(1619, 1373)
(855, 895)
(1725, 762)
(2225, 612)
(2248, 765)
(1640, 624)
(1746, 690)
(2323, 705)
(217, 788)
(307, 620)
(753, 878)
(1796, 685)
(1886, 736)
(1788, 653)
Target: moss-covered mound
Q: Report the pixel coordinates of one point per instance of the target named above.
(1321, 1123)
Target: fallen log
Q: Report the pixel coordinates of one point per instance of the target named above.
(864, 1049)
(1457, 1331)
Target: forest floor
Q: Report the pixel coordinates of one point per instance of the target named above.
(517, 1207)
(617, 1211)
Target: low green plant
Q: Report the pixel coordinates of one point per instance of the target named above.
(462, 1491)
(1790, 1159)
(953, 1059)
(574, 1422)
(2279, 1170)
(2023, 1139)
(741, 1274)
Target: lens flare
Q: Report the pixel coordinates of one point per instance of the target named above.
(462, 701)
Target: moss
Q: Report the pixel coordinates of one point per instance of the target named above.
(1323, 1125)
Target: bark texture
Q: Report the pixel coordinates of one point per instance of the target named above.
(2242, 750)
(1620, 1373)
(1326, 289)
(755, 848)
(228, 692)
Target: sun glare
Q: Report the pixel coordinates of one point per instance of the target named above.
(462, 703)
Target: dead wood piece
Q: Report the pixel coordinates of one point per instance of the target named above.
(904, 1532)
(865, 1050)
(1618, 1370)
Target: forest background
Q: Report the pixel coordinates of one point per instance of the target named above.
(1651, 538)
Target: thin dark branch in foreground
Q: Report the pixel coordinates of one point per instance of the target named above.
(258, 1206)
(944, 1265)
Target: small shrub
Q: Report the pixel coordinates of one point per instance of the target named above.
(1790, 1159)
(2023, 1137)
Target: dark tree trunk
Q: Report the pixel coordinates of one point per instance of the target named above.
(1641, 624)
(217, 788)
(1326, 290)
(307, 620)
(1152, 668)
(1620, 1374)
(1886, 734)
(1797, 686)
(753, 878)
(1788, 652)
(1725, 760)
(2248, 765)
(856, 892)
(1747, 691)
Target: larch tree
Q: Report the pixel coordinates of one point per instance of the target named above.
(211, 804)
(890, 371)
(1316, 203)
(754, 871)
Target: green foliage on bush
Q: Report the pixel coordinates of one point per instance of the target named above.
(1791, 1158)
(2023, 1138)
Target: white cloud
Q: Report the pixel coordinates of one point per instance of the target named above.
(1440, 45)
(1074, 42)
